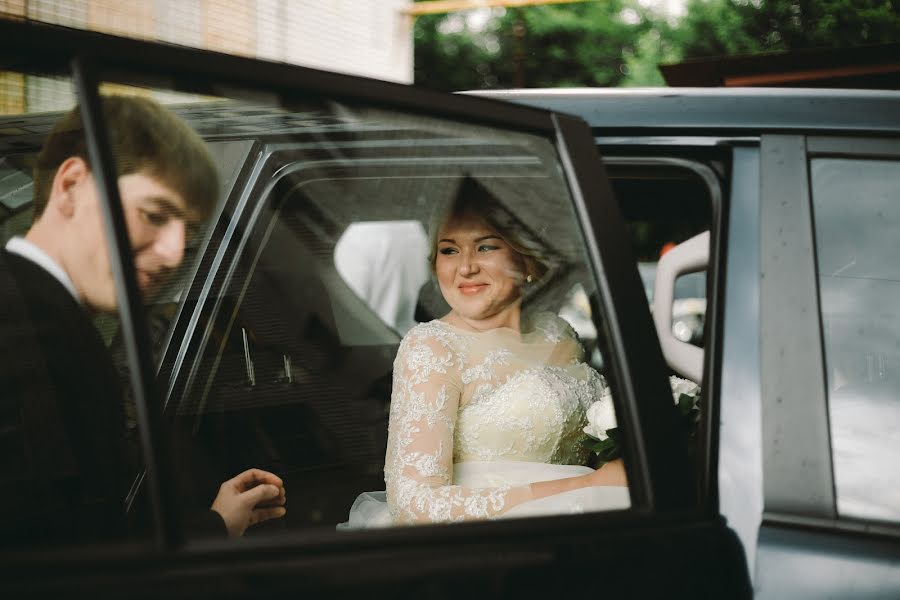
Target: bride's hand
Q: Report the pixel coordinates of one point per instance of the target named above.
(612, 473)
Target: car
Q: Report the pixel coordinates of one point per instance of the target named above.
(801, 322)
(268, 353)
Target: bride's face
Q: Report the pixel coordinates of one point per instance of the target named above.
(479, 274)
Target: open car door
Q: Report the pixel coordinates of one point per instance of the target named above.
(266, 350)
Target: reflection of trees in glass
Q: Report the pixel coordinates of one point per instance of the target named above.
(620, 42)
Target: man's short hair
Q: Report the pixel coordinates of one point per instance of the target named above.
(146, 138)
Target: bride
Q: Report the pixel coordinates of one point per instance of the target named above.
(487, 407)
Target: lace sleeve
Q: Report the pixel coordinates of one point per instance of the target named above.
(419, 462)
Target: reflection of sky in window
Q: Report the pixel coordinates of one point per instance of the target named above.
(857, 216)
(857, 212)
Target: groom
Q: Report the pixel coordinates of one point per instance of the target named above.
(64, 470)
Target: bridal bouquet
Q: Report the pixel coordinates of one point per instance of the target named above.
(602, 430)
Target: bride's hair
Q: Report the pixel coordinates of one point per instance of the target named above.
(473, 199)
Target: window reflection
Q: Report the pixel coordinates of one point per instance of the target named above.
(857, 216)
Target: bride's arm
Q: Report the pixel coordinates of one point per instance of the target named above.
(612, 473)
(419, 461)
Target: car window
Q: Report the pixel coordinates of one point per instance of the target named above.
(664, 206)
(281, 352)
(856, 218)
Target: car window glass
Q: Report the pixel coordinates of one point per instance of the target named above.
(856, 218)
(16, 189)
(284, 326)
(68, 451)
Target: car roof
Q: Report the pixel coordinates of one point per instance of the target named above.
(738, 110)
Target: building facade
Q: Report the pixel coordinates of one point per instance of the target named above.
(360, 37)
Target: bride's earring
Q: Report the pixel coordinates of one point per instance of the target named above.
(529, 279)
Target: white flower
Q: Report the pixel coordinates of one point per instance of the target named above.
(683, 386)
(601, 416)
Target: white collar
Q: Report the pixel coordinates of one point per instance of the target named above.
(29, 250)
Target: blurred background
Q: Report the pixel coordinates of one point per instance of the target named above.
(455, 45)
(612, 43)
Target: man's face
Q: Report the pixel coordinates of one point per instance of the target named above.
(157, 220)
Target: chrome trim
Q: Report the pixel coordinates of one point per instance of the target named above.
(207, 286)
(675, 140)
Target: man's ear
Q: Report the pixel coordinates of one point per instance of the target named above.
(71, 174)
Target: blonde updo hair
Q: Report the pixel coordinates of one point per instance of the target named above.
(472, 199)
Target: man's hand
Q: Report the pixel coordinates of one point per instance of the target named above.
(252, 497)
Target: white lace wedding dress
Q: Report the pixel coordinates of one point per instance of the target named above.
(477, 417)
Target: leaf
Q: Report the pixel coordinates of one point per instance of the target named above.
(593, 445)
(606, 450)
(611, 453)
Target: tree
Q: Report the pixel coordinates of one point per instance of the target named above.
(584, 44)
(452, 53)
(722, 27)
(619, 42)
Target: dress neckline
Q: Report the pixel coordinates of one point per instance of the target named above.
(526, 334)
(495, 330)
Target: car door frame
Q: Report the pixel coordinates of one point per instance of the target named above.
(802, 536)
(664, 517)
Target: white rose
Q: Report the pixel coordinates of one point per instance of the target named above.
(601, 416)
(683, 386)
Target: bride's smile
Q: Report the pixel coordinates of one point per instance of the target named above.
(470, 289)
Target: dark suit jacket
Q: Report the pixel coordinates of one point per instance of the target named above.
(64, 459)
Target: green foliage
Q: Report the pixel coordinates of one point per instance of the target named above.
(579, 44)
(721, 27)
(452, 60)
(619, 42)
(582, 44)
(611, 448)
(608, 449)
